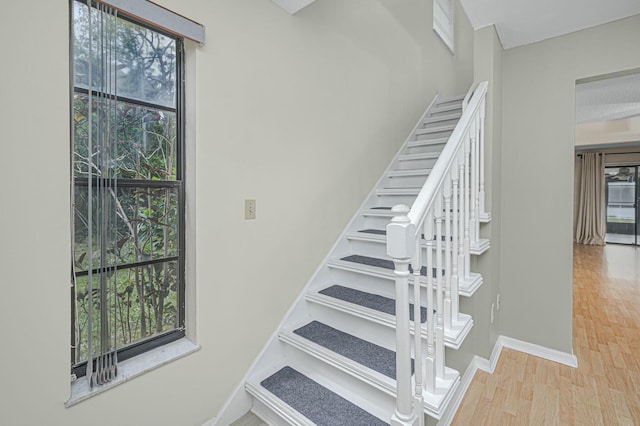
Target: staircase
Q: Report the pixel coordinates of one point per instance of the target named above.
(342, 356)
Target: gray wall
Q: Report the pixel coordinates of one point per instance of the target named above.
(537, 173)
(302, 113)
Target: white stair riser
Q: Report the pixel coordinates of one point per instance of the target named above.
(452, 115)
(379, 249)
(439, 122)
(406, 181)
(426, 149)
(376, 222)
(392, 200)
(433, 135)
(423, 163)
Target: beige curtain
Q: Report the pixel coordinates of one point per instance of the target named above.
(590, 217)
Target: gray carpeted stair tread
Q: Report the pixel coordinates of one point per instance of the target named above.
(381, 263)
(380, 208)
(384, 232)
(365, 353)
(317, 403)
(374, 231)
(368, 300)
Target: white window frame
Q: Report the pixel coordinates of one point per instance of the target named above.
(443, 22)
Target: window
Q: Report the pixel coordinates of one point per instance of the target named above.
(443, 18)
(127, 150)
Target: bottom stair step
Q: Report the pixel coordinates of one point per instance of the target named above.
(315, 402)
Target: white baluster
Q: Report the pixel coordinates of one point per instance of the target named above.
(476, 187)
(483, 210)
(437, 213)
(455, 179)
(473, 214)
(467, 196)
(430, 366)
(446, 193)
(400, 246)
(416, 265)
(462, 272)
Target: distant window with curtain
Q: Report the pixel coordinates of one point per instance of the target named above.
(127, 150)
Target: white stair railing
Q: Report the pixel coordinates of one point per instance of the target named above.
(447, 210)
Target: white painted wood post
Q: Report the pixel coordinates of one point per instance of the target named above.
(455, 179)
(473, 216)
(401, 237)
(418, 399)
(476, 187)
(446, 192)
(430, 365)
(439, 355)
(467, 196)
(483, 210)
(462, 272)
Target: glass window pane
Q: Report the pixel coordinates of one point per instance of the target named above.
(147, 224)
(146, 65)
(145, 60)
(620, 194)
(140, 225)
(145, 148)
(145, 305)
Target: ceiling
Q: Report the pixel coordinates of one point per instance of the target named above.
(520, 22)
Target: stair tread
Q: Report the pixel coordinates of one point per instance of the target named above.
(436, 129)
(314, 401)
(359, 350)
(380, 263)
(400, 191)
(446, 108)
(384, 232)
(422, 156)
(425, 142)
(454, 98)
(368, 300)
(450, 116)
(374, 231)
(409, 172)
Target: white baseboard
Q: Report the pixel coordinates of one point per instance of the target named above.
(536, 350)
(489, 365)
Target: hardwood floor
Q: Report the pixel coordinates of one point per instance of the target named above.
(605, 388)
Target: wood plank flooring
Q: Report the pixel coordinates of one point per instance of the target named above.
(605, 388)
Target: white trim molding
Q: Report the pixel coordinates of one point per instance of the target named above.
(536, 350)
(489, 365)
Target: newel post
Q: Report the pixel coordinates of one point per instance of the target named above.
(401, 235)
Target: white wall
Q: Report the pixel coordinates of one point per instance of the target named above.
(537, 173)
(299, 112)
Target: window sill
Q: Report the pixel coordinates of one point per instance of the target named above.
(133, 367)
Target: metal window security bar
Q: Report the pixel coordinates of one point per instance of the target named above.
(127, 189)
